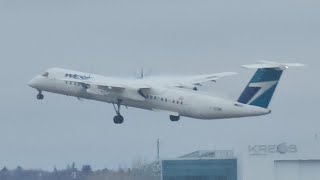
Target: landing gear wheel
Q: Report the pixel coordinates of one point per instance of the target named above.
(118, 119)
(174, 118)
(40, 96)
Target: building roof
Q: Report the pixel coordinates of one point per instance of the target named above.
(209, 154)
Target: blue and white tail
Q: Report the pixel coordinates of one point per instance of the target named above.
(262, 86)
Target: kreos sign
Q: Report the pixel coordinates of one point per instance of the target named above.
(282, 148)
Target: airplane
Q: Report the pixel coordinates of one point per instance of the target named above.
(175, 96)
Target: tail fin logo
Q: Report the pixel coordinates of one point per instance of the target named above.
(263, 88)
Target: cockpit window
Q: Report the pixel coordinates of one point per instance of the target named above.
(46, 74)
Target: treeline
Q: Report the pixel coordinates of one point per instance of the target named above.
(144, 172)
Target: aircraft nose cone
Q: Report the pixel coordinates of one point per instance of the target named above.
(32, 83)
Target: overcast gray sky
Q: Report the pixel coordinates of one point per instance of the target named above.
(169, 36)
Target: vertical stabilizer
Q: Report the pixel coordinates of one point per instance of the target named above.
(263, 84)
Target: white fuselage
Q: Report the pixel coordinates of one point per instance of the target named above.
(174, 101)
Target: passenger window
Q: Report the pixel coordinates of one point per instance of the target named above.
(166, 100)
(66, 75)
(154, 97)
(178, 102)
(173, 101)
(161, 99)
(151, 97)
(181, 103)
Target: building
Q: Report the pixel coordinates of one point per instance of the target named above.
(263, 161)
(201, 165)
(280, 161)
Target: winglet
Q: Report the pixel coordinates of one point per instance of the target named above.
(269, 64)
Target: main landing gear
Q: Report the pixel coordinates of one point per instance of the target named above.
(40, 96)
(174, 118)
(118, 119)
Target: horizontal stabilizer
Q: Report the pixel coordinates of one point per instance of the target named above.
(268, 64)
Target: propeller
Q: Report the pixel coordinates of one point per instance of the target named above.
(142, 73)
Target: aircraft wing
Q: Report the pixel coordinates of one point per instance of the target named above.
(98, 87)
(198, 80)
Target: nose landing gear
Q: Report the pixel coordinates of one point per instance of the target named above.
(174, 118)
(118, 119)
(40, 96)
